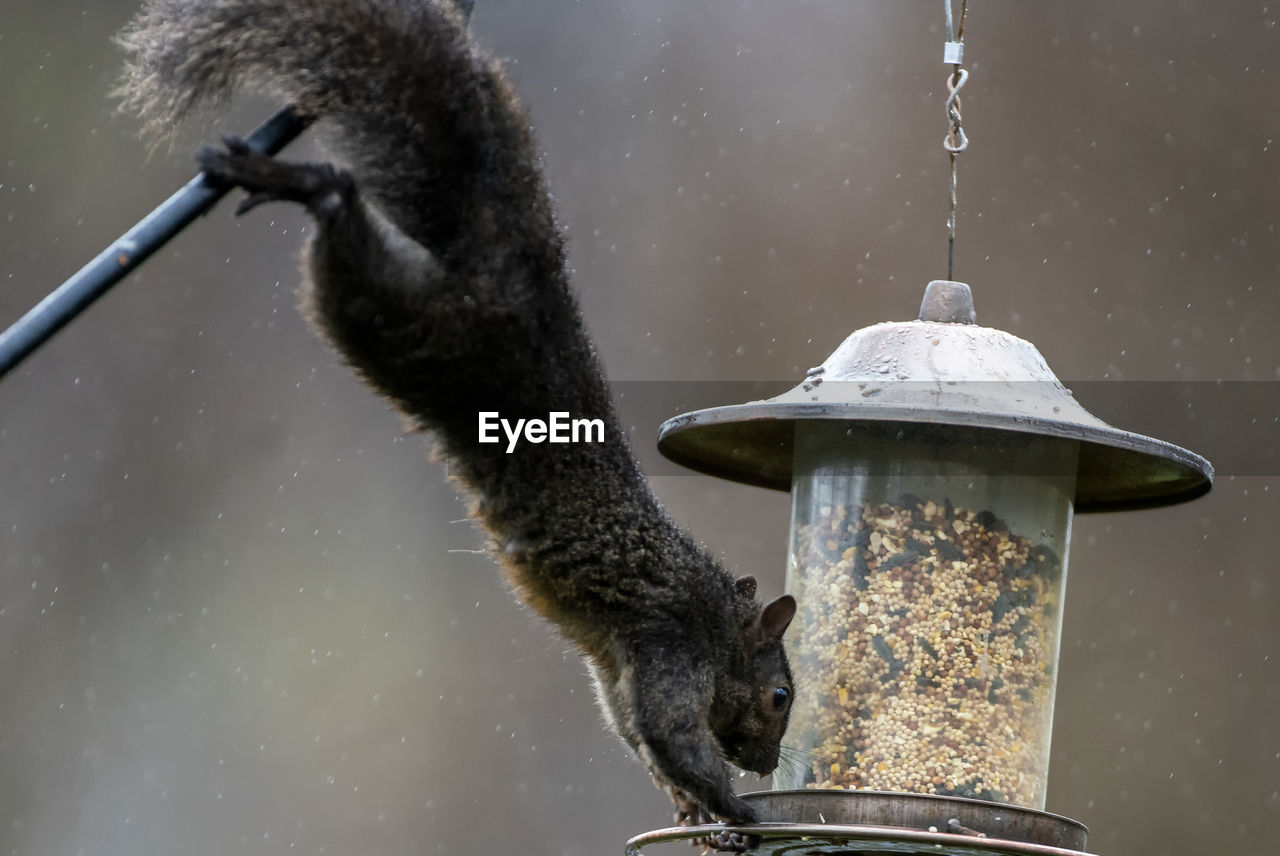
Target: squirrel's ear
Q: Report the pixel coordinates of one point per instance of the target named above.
(746, 585)
(775, 617)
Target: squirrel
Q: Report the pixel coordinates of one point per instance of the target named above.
(438, 272)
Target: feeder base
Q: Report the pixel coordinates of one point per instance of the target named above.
(851, 823)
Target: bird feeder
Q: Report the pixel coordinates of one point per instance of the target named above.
(934, 467)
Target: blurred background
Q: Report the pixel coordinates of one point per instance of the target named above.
(237, 611)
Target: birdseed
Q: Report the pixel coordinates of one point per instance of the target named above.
(925, 651)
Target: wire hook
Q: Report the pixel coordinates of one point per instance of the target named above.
(955, 141)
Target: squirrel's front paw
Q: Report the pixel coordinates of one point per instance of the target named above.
(729, 842)
(314, 185)
(690, 813)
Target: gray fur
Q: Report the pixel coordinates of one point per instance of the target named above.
(438, 272)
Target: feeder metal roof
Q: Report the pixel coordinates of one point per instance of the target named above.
(941, 370)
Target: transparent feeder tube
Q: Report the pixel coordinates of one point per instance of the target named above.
(929, 564)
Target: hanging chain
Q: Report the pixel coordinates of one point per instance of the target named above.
(955, 142)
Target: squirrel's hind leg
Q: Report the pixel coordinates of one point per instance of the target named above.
(360, 249)
(381, 297)
(316, 186)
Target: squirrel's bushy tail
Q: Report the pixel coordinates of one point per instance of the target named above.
(419, 112)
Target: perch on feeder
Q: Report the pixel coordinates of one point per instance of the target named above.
(934, 467)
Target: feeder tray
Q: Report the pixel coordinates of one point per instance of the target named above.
(872, 822)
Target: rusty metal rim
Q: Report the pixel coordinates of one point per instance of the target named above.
(815, 837)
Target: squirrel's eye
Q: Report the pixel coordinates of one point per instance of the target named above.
(781, 695)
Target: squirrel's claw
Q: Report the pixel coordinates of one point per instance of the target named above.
(730, 842)
(269, 180)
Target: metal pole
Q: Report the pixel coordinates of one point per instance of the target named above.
(131, 249)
